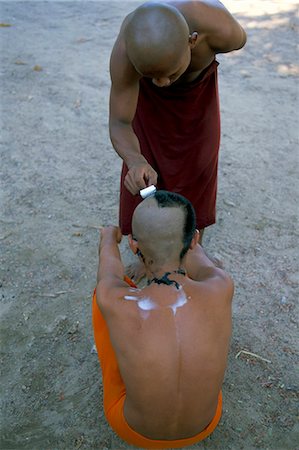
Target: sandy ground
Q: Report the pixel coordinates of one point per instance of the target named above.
(59, 182)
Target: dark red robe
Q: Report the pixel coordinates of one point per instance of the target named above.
(178, 128)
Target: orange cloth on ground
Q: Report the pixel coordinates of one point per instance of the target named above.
(115, 392)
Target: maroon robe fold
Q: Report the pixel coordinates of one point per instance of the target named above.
(178, 128)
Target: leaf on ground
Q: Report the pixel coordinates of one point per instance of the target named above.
(37, 68)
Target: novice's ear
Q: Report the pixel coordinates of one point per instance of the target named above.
(195, 239)
(133, 244)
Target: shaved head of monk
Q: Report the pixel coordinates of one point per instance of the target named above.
(163, 227)
(158, 41)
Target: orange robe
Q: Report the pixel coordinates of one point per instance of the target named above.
(115, 392)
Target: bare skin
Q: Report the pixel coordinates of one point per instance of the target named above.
(171, 344)
(137, 271)
(212, 30)
(181, 49)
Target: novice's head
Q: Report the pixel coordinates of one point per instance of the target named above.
(163, 226)
(159, 43)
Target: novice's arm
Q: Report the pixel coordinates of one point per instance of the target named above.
(110, 265)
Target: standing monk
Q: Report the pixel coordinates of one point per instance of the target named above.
(164, 106)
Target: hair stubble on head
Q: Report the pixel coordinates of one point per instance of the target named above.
(164, 226)
(156, 35)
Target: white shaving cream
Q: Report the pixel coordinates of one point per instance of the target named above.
(131, 297)
(147, 304)
(181, 301)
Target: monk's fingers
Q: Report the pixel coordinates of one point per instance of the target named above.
(139, 177)
(151, 178)
(134, 181)
(131, 187)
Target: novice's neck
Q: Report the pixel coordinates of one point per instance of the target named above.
(169, 278)
(152, 272)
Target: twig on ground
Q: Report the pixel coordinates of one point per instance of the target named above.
(254, 355)
(5, 236)
(95, 227)
(56, 294)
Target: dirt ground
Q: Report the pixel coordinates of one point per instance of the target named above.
(60, 181)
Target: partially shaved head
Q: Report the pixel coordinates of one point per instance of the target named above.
(164, 226)
(156, 36)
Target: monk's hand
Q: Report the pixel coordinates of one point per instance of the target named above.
(140, 176)
(111, 234)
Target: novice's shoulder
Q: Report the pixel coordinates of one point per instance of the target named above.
(109, 290)
(217, 285)
(115, 293)
(119, 306)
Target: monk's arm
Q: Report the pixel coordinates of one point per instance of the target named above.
(223, 32)
(110, 264)
(123, 104)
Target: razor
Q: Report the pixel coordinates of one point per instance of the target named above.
(148, 191)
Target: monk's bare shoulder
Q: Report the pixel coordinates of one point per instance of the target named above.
(121, 69)
(214, 23)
